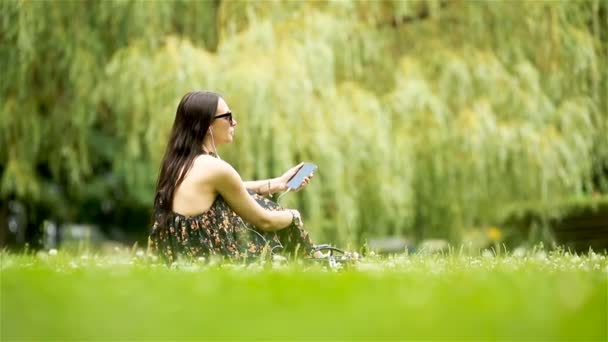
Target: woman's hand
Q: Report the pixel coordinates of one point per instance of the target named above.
(290, 173)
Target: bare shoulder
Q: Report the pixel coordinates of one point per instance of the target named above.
(206, 166)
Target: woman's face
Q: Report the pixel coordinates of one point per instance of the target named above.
(223, 125)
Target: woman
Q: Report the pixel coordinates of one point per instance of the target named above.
(202, 207)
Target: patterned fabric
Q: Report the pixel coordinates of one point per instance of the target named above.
(221, 232)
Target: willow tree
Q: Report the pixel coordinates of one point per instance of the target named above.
(56, 149)
(426, 118)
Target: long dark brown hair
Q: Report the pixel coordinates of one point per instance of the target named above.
(194, 115)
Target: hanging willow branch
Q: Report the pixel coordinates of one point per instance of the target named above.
(422, 14)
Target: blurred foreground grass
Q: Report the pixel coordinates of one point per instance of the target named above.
(534, 295)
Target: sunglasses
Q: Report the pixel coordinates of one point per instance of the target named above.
(227, 115)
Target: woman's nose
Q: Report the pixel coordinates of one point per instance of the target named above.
(234, 122)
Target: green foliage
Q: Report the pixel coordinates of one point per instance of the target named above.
(53, 129)
(532, 295)
(425, 117)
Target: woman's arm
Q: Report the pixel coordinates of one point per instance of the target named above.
(274, 185)
(266, 186)
(229, 185)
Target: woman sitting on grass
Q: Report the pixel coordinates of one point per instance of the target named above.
(203, 207)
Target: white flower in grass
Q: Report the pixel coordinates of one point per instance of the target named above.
(519, 252)
(279, 266)
(139, 253)
(487, 254)
(53, 251)
(190, 268)
(42, 255)
(541, 255)
(255, 267)
(368, 266)
(336, 266)
(279, 258)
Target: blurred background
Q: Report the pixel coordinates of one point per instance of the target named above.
(465, 122)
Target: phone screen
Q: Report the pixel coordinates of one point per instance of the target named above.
(306, 170)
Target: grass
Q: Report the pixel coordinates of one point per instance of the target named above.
(533, 295)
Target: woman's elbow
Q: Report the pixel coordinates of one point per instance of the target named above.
(265, 224)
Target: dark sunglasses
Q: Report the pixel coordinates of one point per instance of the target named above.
(227, 115)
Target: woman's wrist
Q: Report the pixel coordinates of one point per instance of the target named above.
(270, 186)
(273, 185)
(265, 187)
(279, 184)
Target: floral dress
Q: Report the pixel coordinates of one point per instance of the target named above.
(221, 232)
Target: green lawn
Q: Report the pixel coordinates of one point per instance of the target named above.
(531, 296)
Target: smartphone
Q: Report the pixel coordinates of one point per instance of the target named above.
(306, 170)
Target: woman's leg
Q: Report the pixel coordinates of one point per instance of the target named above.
(292, 239)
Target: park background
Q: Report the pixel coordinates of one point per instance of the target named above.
(479, 123)
(475, 122)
